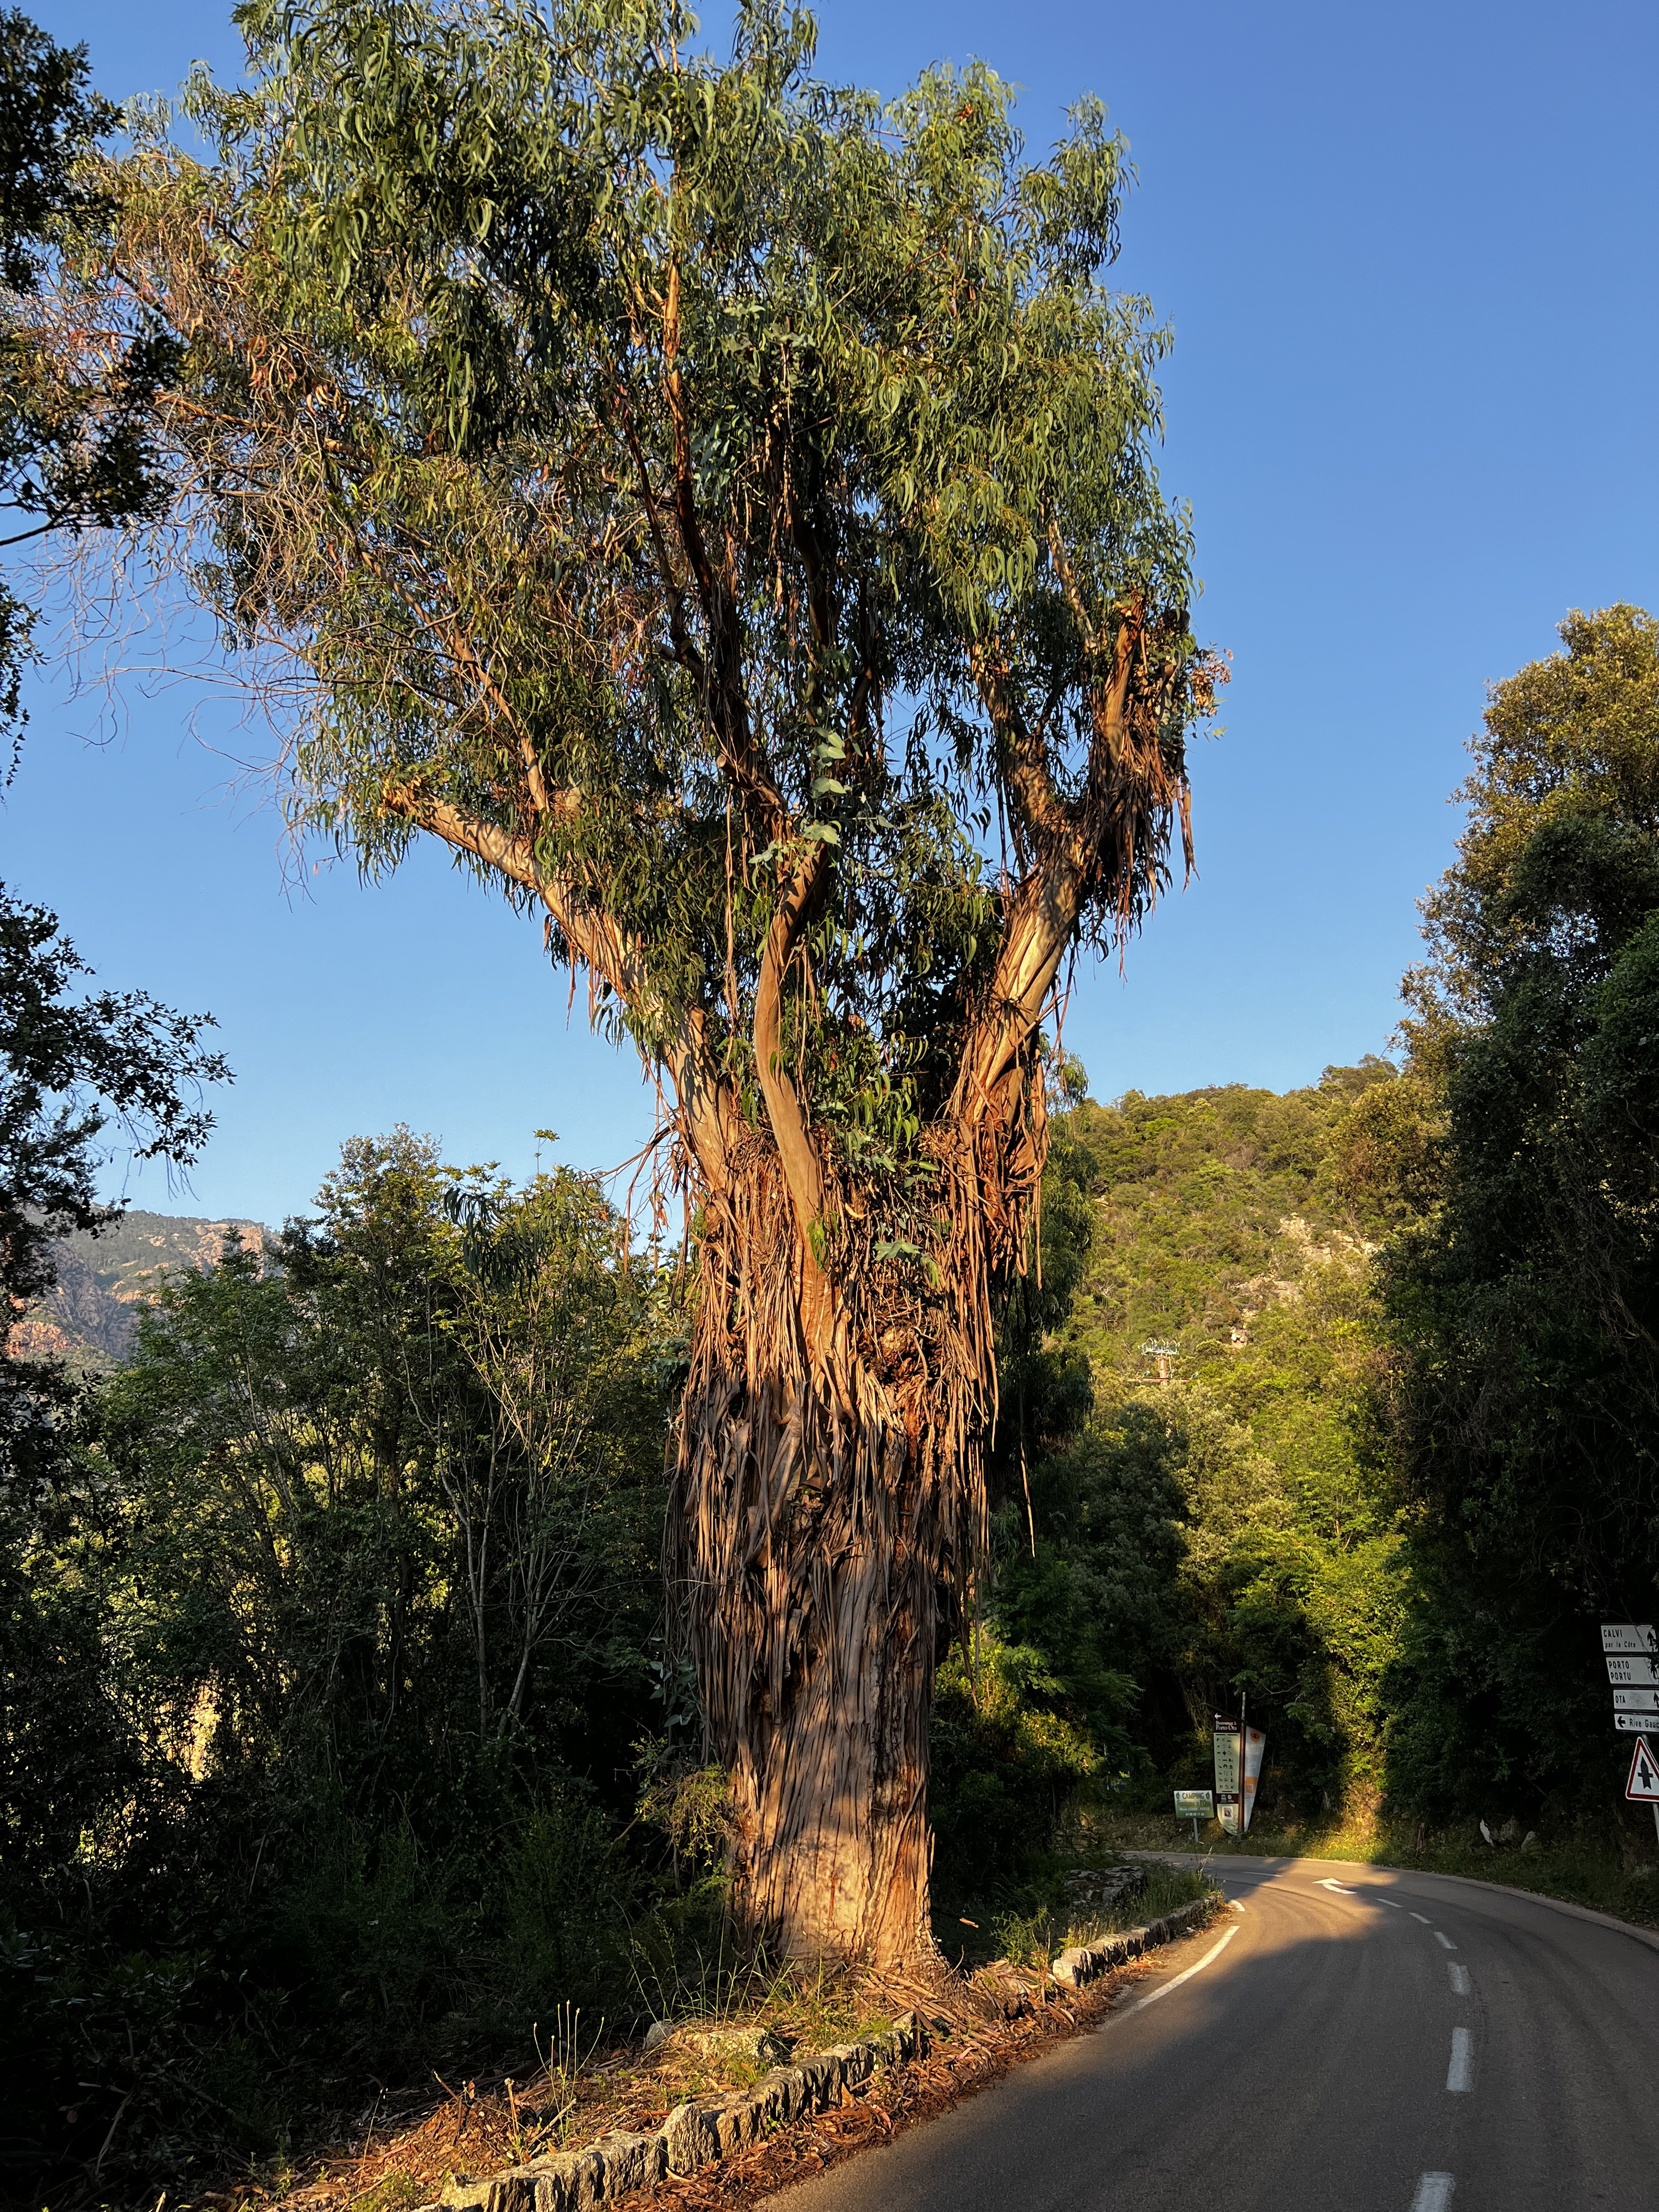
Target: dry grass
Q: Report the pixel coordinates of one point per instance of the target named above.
(589, 2089)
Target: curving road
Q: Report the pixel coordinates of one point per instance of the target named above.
(1349, 2040)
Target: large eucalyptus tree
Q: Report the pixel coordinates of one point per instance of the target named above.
(719, 508)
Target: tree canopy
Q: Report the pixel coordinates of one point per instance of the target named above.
(719, 507)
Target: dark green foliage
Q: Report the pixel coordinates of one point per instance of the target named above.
(1007, 1761)
(76, 450)
(71, 1067)
(354, 1581)
(1525, 1310)
(1235, 1528)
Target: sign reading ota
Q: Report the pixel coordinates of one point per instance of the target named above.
(1644, 1783)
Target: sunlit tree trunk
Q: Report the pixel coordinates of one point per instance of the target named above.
(828, 1503)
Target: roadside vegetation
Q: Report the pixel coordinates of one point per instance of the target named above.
(351, 1737)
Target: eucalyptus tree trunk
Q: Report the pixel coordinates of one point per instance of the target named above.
(828, 1502)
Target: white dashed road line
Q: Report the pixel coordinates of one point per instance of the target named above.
(1441, 1936)
(1460, 2075)
(1434, 2193)
(1460, 1978)
(1423, 1917)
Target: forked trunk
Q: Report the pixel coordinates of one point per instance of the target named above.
(826, 1505)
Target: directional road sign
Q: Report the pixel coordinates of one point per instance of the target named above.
(1633, 1670)
(1636, 1724)
(1628, 1636)
(1644, 1783)
(1636, 1701)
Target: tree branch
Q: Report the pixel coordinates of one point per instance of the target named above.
(679, 1038)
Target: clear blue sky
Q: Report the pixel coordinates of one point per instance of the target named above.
(1408, 253)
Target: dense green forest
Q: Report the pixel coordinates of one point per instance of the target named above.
(348, 1736)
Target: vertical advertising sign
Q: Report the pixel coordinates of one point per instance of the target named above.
(1228, 1774)
(1255, 1744)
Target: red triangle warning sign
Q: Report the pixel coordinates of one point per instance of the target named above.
(1643, 1782)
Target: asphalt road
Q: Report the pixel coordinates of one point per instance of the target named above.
(1347, 2040)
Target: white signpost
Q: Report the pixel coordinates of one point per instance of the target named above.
(1255, 1744)
(1631, 1652)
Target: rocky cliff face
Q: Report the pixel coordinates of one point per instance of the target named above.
(88, 1319)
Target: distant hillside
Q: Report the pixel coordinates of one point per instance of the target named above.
(1225, 1521)
(88, 1320)
(1215, 1208)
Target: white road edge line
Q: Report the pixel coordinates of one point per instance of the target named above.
(1460, 2075)
(1423, 1917)
(1434, 2193)
(1214, 1952)
(1460, 1977)
(1238, 1907)
(1441, 1936)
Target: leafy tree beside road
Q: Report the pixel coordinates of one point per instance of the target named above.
(722, 512)
(1524, 1310)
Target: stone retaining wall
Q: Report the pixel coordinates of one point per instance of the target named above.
(1078, 1968)
(695, 2134)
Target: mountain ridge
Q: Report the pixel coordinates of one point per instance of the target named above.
(87, 1318)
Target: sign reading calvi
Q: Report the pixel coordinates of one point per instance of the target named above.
(1628, 1636)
